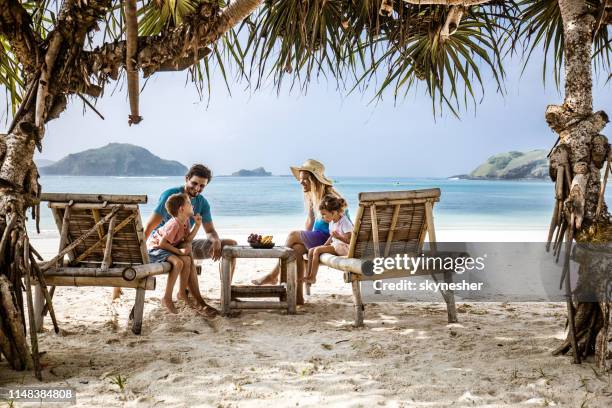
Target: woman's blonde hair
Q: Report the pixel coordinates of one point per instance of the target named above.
(318, 190)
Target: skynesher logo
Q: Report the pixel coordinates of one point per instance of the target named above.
(423, 262)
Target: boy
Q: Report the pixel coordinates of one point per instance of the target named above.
(172, 243)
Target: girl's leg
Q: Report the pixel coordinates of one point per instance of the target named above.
(314, 266)
(294, 240)
(177, 266)
(309, 265)
(184, 277)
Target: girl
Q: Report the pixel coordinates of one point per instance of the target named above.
(341, 228)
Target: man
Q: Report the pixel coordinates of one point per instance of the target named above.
(196, 180)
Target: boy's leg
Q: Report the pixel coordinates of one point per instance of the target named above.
(177, 266)
(184, 276)
(314, 267)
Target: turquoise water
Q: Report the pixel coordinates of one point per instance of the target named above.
(275, 203)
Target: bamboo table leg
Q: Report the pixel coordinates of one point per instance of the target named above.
(226, 285)
(292, 284)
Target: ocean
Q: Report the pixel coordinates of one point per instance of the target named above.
(243, 204)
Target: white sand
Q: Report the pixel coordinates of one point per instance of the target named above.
(498, 355)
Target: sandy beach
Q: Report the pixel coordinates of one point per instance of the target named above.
(498, 355)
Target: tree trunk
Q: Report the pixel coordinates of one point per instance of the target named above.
(581, 153)
(19, 190)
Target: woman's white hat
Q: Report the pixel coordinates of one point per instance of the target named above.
(315, 167)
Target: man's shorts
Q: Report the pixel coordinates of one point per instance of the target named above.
(201, 248)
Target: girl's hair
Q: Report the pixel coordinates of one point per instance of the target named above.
(332, 203)
(174, 203)
(318, 190)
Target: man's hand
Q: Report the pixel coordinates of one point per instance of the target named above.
(186, 250)
(336, 234)
(215, 249)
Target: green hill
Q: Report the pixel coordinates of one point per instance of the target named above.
(115, 159)
(258, 172)
(513, 165)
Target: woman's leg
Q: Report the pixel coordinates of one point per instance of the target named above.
(177, 266)
(293, 239)
(314, 266)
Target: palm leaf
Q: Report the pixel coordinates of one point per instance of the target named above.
(542, 26)
(10, 78)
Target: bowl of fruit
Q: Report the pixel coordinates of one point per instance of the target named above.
(260, 242)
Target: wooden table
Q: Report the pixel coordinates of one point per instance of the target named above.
(286, 291)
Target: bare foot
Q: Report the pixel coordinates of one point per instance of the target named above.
(266, 280)
(169, 305)
(208, 311)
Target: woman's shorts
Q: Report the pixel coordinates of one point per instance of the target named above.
(313, 239)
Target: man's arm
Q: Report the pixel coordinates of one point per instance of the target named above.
(152, 222)
(211, 234)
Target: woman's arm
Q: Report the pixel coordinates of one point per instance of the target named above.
(328, 242)
(310, 219)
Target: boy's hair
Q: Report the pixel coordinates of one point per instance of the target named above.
(174, 203)
(332, 203)
(199, 170)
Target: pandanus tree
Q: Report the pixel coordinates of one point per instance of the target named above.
(50, 53)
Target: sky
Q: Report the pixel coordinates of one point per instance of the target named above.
(350, 134)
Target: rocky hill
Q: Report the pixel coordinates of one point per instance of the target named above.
(115, 159)
(512, 165)
(258, 172)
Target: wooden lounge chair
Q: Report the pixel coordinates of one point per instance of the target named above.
(102, 243)
(389, 223)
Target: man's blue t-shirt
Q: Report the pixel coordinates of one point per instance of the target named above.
(199, 203)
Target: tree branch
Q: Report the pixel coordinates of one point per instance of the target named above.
(16, 27)
(175, 49)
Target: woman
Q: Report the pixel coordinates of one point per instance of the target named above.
(315, 186)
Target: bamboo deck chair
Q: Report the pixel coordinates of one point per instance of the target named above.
(389, 223)
(102, 243)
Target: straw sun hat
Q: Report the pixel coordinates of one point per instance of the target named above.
(315, 167)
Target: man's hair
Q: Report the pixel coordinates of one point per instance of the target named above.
(174, 203)
(199, 170)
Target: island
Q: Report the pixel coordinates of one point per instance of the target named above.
(115, 159)
(43, 162)
(258, 172)
(511, 166)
